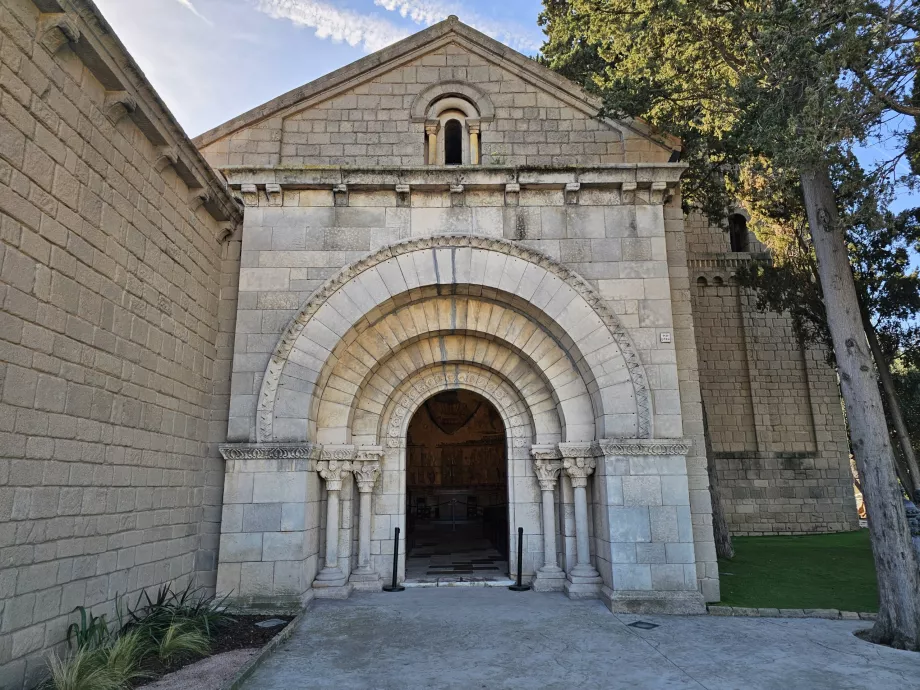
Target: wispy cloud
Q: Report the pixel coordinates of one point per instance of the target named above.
(371, 33)
(428, 12)
(188, 4)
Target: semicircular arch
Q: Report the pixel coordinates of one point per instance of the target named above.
(360, 293)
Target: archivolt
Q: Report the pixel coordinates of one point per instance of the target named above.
(356, 294)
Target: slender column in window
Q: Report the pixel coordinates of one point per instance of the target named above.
(431, 130)
(473, 127)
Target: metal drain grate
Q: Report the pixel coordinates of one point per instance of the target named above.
(642, 625)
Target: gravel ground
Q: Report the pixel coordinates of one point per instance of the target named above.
(208, 674)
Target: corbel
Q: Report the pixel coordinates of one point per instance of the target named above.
(166, 156)
(273, 192)
(250, 194)
(512, 194)
(403, 195)
(456, 195)
(198, 198)
(225, 231)
(629, 192)
(571, 193)
(118, 104)
(57, 30)
(660, 192)
(340, 195)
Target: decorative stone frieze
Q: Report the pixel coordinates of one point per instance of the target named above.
(642, 446)
(270, 451)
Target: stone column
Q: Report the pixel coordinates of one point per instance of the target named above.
(547, 465)
(431, 129)
(473, 127)
(578, 461)
(366, 470)
(331, 582)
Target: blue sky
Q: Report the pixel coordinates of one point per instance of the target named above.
(211, 60)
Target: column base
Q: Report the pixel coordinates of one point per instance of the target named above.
(549, 580)
(647, 601)
(365, 582)
(583, 582)
(323, 590)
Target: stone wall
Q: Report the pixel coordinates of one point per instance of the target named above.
(114, 333)
(773, 406)
(368, 120)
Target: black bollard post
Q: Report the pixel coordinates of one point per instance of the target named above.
(518, 587)
(394, 587)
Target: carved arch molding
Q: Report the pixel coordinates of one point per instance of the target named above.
(587, 297)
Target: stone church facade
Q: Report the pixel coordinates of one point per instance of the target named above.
(211, 351)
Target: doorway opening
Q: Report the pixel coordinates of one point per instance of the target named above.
(456, 490)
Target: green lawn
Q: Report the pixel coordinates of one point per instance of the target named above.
(833, 571)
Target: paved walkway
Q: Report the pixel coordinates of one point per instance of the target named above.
(488, 638)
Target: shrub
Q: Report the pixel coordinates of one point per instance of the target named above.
(157, 614)
(124, 657)
(82, 669)
(91, 632)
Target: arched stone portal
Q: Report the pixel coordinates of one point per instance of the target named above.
(457, 491)
(488, 318)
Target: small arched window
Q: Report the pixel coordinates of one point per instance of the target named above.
(738, 233)
(453, 143)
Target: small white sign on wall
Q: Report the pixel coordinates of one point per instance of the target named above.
(665, 337)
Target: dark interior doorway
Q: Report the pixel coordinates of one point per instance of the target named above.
(456, 489)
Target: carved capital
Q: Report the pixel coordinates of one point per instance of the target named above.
(547, 472)
(333, 472)
(473, 126)
(118, 104)
(432, 127)
(579, 469)
(57, 30)
(366, 474)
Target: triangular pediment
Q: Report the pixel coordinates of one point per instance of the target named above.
(398, 76)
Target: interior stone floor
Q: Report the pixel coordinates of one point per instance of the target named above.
(494, 638)
(442, 551)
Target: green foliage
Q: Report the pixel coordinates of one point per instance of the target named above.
(180, 640)
(91, 632)
(81, 669)
(156, 615)
(125, 655)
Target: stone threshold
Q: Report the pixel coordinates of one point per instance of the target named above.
(829, 614)
(455, 582)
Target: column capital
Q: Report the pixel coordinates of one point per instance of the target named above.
(366, 474)
(579, 469)
(473, 126)
(335, 462)
(432, 126)
(547, 472)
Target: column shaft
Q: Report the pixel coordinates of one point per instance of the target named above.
(364, 533)
(549, 532)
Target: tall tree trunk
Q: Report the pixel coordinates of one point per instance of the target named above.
(898, 622)
(720, 533)
(894, 408)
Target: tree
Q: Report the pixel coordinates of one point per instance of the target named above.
(796, 83)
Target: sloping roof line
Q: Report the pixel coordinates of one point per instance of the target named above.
(442, 33)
